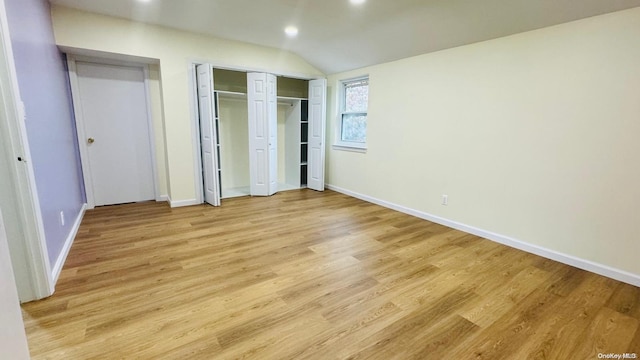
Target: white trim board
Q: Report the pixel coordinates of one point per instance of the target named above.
(198, 182)
(181, 203)
(57, 267)
(234, 67)
(600, 269)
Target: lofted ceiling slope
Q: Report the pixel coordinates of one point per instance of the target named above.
(336, 36)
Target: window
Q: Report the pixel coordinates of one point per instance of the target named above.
(354, 102)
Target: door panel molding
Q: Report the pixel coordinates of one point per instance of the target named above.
(317, 133)
(272, 125)
(263, 131)
(208, 138)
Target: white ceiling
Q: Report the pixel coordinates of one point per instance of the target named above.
(336, 36)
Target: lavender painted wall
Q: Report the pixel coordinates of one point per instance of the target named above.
(45, 91)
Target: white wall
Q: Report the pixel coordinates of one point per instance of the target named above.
(157, 117)
(13, 340)
(175, 50)
(533, 137)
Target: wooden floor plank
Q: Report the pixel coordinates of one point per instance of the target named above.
(610, 332)
(310, 275)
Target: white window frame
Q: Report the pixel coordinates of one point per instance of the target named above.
(339, 144)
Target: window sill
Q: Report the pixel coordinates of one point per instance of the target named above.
(353, 148)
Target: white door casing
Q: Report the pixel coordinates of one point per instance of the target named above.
(262, 111)
(13, 339)
(317, 122)
(208, 134)
(32, 270)
(114, 136)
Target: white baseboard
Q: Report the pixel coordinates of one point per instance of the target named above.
(604, 270)
(162, 198)
(181, 203)
(57, 268)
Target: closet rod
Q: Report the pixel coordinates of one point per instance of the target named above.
(231, 94)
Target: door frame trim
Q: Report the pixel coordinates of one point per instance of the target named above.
(36, 266)
(195, 132)
(72, 61)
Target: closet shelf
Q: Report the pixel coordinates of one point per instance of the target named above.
(231, 94)
(287, 100)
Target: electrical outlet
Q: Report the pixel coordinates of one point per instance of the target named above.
(61, 218)
(445, 199)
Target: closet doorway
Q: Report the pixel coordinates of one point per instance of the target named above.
(261, 126)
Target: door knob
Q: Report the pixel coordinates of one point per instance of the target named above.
(91, 140)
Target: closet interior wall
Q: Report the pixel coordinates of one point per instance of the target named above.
(230, 89)
(292, 133)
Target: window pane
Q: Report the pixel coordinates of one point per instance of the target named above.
(354, 128)
(356, 95)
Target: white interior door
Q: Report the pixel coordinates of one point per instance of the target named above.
(263, 162)
(272, 120)
(317, 120)
(208, 134)
(113, 103)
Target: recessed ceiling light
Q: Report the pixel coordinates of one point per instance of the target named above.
(357, 2)
(291, 31)
(144, 1)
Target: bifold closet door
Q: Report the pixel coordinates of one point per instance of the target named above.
(208, 134)
(317, 123)
(263, 123)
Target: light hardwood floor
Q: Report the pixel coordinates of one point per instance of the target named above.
(308, 275)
